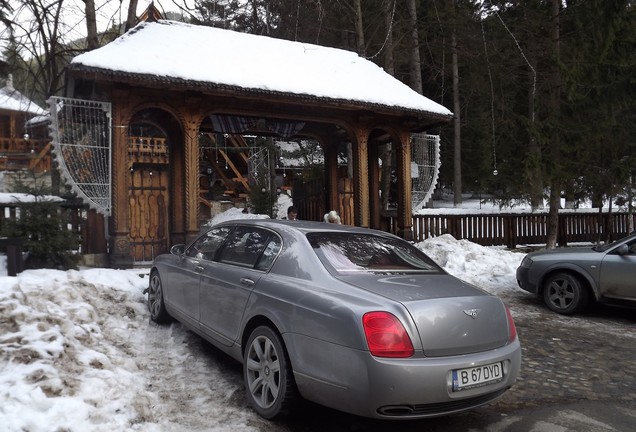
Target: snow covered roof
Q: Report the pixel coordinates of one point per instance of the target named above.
(13, 100)
(175, 52)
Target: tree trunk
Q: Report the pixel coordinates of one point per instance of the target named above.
(132, 14)
(255, 17)
(415, 62)
(457, 159)
(535, 175)
(555, 190)
(389, 63)
(553, 216)
(386, 154)
(630, 206)
(91, 25)
(360, 43)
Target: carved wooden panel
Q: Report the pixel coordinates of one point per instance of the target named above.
(148, 211)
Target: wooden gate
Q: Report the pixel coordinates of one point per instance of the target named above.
(310, 198)
(148, 197)
(148, 212)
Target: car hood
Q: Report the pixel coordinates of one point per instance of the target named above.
(451, 316)
(574, 253)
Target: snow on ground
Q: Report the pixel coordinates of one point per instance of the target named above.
(79, 353)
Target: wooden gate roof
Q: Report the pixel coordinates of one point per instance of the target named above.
(178, 56)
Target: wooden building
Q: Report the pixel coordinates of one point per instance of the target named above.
(177, 90)
(24, 142)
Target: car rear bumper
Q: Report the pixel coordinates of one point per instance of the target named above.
(402, 389)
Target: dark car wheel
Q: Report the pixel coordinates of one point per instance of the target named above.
(565, 293)
(269, 380)
(156, 306)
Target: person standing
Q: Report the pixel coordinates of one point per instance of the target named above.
(292, 213)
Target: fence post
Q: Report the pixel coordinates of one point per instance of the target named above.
(509, 235)
(95, 225)
(562, 234)
(13, 247)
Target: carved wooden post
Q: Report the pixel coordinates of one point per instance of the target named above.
(191, 147)
(120, 256)
(361, 177)
(330, 145)
(404, 210)
(375, 203)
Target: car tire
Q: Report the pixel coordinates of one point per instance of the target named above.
(156, 304)
(565, 293)
(269, 379)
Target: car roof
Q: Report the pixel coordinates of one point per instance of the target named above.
(305, 226)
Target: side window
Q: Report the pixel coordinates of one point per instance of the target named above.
(205, 247)
(270, 252)
(245, 245)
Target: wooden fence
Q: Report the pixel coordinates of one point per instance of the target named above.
(509, 230)
(79, 218)
(516, 229)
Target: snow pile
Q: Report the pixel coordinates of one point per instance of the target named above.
(69, 349)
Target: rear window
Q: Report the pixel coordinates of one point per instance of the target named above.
(353, 253)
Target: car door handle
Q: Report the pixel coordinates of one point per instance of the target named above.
(198, 269)
(247, 282)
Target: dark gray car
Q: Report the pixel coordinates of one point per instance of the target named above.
(350, 318)
(569, 279)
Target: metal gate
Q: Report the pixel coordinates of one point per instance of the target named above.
(81, 138)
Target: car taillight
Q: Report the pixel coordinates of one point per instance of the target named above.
(386, 335)
(512, 329)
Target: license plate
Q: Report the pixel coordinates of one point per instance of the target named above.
(464, 379)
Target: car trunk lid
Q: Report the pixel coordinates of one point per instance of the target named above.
(460, 325)
(452, 317)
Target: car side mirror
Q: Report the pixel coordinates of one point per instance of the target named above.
(177, 249)
(623, 250)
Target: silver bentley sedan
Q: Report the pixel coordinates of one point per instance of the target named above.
(354, 319)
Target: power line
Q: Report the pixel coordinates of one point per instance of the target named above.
(388, 33)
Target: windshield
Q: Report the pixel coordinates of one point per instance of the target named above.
(354, 253)
(605, 247)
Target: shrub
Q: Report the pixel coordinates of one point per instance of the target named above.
(47, 240)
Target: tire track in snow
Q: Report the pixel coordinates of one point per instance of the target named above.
(197, 387)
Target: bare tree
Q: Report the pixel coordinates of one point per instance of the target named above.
(91, 25)
(39, 40)
(5, 8)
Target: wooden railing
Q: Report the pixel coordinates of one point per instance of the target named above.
(516, 229)
(18, 154)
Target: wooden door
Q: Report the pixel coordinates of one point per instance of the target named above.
(148, 212)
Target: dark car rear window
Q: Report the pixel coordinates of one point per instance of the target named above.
(355, 252)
